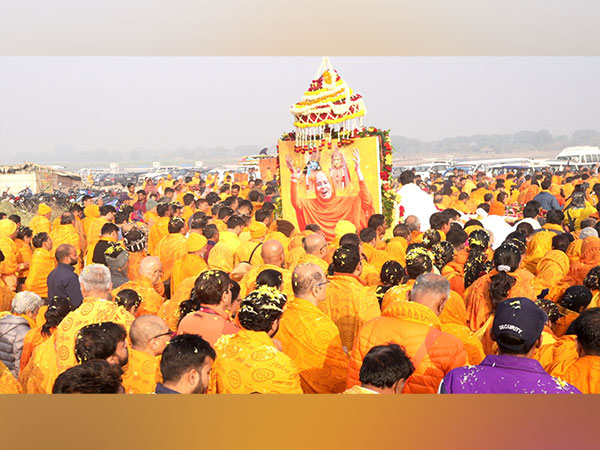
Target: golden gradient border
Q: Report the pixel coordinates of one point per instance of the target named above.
(298, 422)
(307, 27)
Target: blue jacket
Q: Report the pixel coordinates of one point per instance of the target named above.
(547, 200)
(64, 282)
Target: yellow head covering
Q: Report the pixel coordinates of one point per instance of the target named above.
(44, 209)
(257, 230)
(344, 227)
(92, 211)
(7, 227)
(196, 242)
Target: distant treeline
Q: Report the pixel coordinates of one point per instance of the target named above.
(498, 143)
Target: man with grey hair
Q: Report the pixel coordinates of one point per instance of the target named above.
(588, 232)
(415, 325)
(413, 223)
(95, 281)
(430, 290)
(56, 355)
(14, 327)
(310, 337)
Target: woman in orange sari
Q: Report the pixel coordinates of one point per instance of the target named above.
(58, 308)
(327, 208)
(507, 280)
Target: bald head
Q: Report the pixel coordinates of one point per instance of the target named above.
(431, 290)
(151, 267)
(145, 328)
(307, 282)
(313, 244)
(272, 253)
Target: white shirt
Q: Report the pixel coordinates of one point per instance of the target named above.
(499, 228)
(417, 202)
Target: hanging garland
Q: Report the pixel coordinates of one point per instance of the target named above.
(389, 197)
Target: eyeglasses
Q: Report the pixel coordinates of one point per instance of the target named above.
(166, 333)
(323, 283)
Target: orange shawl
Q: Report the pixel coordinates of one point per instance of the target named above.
(327, 213)
(479, 302)
(590, 258)
(551, 271)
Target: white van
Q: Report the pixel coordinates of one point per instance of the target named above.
(425, 170)
(586, 155)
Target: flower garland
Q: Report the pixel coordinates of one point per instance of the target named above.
(389, 197)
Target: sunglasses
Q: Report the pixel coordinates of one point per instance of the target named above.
(166, 333)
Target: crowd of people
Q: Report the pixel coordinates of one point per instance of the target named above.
(484, 285)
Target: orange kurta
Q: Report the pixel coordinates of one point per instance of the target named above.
(377, 258)
(8, 383)
(141, 373)
(350, 305)
(410, 325)
(540, 244)
(151, 300)
(191, 265)
(479, 302)
(9, 249)
(247, 249)
(248, 283)
(6, 296)
(169, 310)
(171, 248)
(590, 258)
(454, 271)
(396, 293)
(133, 266)
(583, 372)
(159, 229)
(94, 230)
(42, 263)
(33, 338)
(67, 234)
(40, 224)
(248, 362)
(312, 341)
(551, 271)
(396, 249)
(23, 256)
(308, 258)
(57, 354)
(221, 258)
(497, 208)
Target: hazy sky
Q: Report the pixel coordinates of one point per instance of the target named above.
(120, 103)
